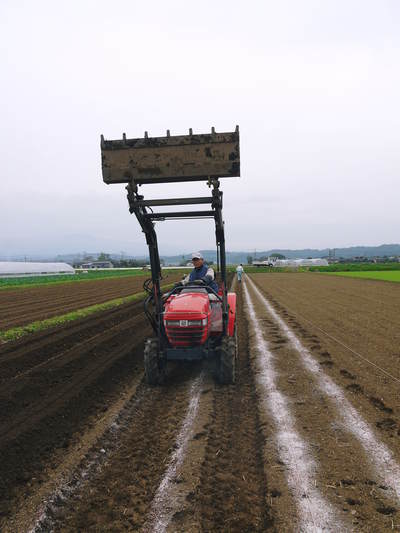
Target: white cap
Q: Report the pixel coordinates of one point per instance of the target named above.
(197, 255)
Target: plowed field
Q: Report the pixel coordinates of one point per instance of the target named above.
(22, 306)
(307, 439)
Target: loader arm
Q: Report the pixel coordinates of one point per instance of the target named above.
(151, 239)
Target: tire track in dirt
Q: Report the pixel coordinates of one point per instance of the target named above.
(232, 493)
(221, 484)
(339, 433)
(122, 492)
(166, 502)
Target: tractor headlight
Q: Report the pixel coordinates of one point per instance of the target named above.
(186, 323)
(172, 322)
(200, 322)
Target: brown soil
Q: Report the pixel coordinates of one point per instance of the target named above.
(59, 386)
(52, 383)
(121, 494)
(23, 306)
(233, 490)
(363, 316)
(55, 385)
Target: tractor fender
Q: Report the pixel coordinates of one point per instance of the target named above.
(231, 313)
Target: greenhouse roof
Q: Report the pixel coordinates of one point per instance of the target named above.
(21, 268)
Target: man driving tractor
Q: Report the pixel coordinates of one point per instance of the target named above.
(201, 271)
(193, 321)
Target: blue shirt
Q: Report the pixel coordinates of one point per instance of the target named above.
(199, 273)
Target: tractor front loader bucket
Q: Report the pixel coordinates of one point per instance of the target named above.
(171, 158)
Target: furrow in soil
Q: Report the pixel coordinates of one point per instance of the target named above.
(47, 409)
(233, 494)
(305, 506)
(356, 471)
(121, 493)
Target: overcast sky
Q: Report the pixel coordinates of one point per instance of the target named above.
(314, 86)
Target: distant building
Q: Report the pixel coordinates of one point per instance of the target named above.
(268, 263)
(295, 263)
(14, 269)
(97, 264)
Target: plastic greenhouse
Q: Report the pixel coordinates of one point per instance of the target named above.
(9, 269)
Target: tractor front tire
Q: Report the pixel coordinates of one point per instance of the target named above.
(153, 366)
(227, 360)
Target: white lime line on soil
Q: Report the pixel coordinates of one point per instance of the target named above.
(377, 453)
(314, 511)
(164, 504)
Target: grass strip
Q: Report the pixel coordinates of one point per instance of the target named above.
(393, 276)
(39, 325)
(356, 267)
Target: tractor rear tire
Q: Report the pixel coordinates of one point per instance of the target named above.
(153, 366)
(227, 360)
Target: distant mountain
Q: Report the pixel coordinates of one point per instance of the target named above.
(241, 257)
(352, 251)
(388, 250)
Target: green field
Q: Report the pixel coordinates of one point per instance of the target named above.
(393, 275)
(36, 281)
(355, 267)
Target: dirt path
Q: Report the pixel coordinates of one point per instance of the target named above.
(233, 492)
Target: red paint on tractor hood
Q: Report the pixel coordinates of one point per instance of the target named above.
(188, 304)
(178, 311)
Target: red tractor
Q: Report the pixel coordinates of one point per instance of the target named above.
(191, 321)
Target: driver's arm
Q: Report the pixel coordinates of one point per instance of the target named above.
(209, 277)
(185, 280)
